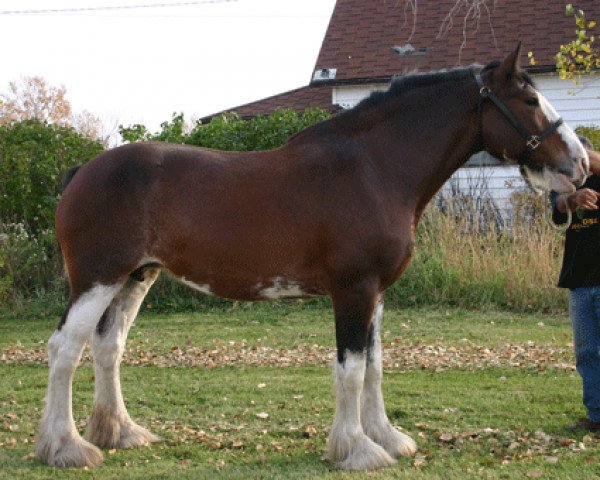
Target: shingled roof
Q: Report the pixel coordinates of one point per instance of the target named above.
(362, 33)
(298, 99)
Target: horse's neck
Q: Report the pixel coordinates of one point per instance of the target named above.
(442, 138)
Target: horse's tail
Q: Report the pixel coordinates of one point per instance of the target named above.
(69, 176)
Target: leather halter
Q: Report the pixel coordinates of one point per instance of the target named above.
(531, 141)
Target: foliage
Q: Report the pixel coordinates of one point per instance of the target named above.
(172, 131)
(578, 57)
(230, 131)
(592, 134)
(32, 264)
(33, 157)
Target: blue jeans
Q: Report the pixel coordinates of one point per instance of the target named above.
(584, 306)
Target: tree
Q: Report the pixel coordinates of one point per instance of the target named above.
(578, 57)
(32, 98)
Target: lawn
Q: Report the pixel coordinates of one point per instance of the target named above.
(246, 393)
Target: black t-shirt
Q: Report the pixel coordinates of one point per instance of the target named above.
(581, 258)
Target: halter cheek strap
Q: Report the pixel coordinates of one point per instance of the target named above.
(531, 141)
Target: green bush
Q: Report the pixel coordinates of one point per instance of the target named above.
(232, 132)
(31, 264)
(592, 133)
(33, 159)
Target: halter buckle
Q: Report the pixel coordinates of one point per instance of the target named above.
(533, 142)
(485, 91)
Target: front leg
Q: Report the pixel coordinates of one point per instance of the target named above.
(348, 446)
(373, 417)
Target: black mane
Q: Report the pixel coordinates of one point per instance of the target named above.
(404, 83)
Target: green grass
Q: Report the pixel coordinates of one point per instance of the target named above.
(469, 423)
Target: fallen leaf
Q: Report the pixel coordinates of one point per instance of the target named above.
(534, 474)
(419, 461)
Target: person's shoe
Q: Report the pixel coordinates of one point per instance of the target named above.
(585, 424)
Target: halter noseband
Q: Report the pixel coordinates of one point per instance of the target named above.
(531, 141)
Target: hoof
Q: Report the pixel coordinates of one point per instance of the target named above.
(396, 443)
(106, 430)
(358, 453)
(132, 435)
(72, 451)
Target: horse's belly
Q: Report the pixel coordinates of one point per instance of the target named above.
(277, 287)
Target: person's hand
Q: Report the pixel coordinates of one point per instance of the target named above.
(585, 199)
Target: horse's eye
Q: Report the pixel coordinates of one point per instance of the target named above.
(533, 102)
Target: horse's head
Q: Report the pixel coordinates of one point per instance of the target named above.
(519, 124)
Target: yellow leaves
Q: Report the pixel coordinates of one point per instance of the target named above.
(578, 56)
(532, 60)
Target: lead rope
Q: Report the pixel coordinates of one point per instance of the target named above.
(563, 227)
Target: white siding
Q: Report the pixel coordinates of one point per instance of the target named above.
(579, 104)
(348, 96)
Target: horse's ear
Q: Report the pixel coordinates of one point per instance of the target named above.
(509, 68)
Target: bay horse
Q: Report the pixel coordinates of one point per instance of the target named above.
(332, 212)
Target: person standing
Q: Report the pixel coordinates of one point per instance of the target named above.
(580, 273)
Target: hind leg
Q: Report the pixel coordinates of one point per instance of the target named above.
(373, 417)
(58, 443)
(110, 425)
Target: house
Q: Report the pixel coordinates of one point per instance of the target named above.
(370, 41)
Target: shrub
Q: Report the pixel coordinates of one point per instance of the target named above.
(592, 133)
(232, 132)
(33, 158)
